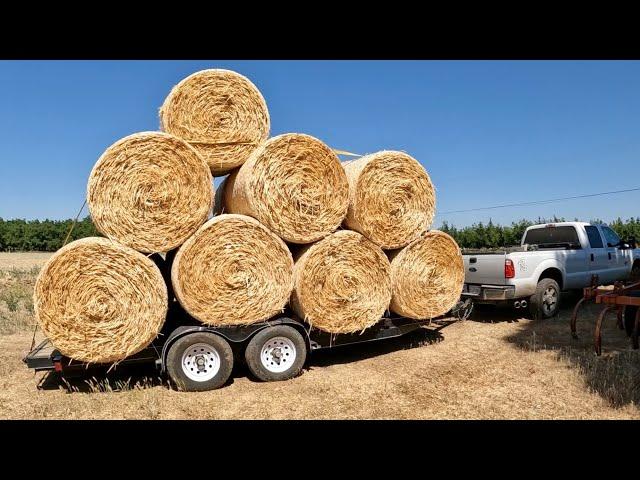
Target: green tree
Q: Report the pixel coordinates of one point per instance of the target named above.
(493, 235)
(41, 235)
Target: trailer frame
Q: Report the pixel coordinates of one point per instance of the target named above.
(44, 357)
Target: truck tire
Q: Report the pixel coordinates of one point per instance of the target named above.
(199, 361)
(635, 272)
(545, 302)
(276, 353)
(629, 317)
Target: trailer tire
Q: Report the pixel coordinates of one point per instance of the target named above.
(545, 302)
(199, 361)
(269, 351)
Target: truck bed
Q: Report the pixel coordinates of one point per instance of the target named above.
(493, 251)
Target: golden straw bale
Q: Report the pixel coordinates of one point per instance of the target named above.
(427, 276)
(342, 283)
(150, 191)
(294, 185)
(99, 301)
(233, 271)
(220, 113)
(391, 198)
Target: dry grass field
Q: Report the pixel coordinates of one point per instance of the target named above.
(22, 261)
(495, 366)
(18, 272)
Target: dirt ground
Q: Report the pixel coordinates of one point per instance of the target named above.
(497, 365)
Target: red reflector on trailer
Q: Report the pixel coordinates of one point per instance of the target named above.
(509, 269)
(58, 366)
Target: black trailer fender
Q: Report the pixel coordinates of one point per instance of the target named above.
(235, 334)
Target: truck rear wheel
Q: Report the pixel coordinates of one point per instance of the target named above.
(629, 317)
(546, 301)
(199, 361)
(276, 353)
(635, 272)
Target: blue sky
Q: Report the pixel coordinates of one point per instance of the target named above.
(488, 132)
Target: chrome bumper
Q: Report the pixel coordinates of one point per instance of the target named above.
(489, 292)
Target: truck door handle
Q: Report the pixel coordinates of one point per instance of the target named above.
(473, 260)
(592, 257)
(473, 269)
(609, 255)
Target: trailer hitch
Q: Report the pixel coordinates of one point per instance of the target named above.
(462, 310)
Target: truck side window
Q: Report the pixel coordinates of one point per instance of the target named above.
(610, 236)
(595, 240)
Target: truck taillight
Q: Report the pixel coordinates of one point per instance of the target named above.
(509, 269)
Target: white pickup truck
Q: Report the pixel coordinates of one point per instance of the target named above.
(552, 258)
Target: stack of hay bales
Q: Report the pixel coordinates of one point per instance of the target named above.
(340, 243)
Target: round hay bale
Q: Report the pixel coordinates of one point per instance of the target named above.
(99, 301)
(427, 276)
(293, 184)
(342, 283)
(220, 113)
(232, 271)
(391, 198)
(150, 191)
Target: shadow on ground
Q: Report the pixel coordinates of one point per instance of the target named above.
(615, 375)
(99, 379)
(362, 351)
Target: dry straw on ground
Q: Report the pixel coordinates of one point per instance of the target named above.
(233, 271)
(220, 113)
(294, 184)
(150, 191)
(391, 198)
(342, 283)
(427, 276)
(99, 301)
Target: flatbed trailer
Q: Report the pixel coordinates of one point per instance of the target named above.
(197, 357)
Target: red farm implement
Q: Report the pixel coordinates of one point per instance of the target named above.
(623, 298)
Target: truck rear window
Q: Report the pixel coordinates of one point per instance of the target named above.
(552, 235)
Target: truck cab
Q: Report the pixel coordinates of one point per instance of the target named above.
(551, 258)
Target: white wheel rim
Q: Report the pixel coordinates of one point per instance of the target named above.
(550, 299)
(278, 354)
(200, 362)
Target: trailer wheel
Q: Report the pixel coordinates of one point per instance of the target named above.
(546, 301)
(276, 353)
(199, 361)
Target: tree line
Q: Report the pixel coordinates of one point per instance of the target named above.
(49, 235)
(490, 235)
(41, 235)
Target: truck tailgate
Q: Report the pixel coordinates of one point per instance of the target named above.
(484, 268)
